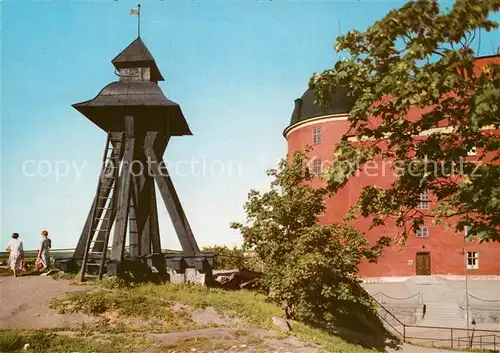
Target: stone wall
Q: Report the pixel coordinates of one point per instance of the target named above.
(190, 275)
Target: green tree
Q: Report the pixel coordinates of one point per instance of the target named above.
(422, 56)
(309, 268)
(227, 258)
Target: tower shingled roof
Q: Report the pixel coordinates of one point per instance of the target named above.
(137, 53)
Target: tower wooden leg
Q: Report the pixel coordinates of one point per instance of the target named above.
(150, 236)
(118, 249)
(134, 237)
(146, 210)
(143, 189)
(172, 202)
(153, 222)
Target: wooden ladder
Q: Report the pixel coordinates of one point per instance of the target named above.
(96, 247)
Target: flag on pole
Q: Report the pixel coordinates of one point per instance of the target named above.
(137, 11)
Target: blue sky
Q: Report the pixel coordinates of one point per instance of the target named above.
(235, 68)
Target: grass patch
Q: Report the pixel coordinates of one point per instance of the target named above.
(326, 342)
(239, 333)
(65, 275)
(41, 342)
(251, 307)
(122, 307)
(205, 344)
(456, 349)
(126, 303)
(155, 301)
(185, 345)
(152, 301)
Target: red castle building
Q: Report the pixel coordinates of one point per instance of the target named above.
(435, 250)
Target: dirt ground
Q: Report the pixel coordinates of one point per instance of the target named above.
(24, 303)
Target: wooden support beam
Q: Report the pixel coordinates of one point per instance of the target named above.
(118, 248)
(153, 223)
(172, 202)
(150, 237)
(145, 199)
(141, 194)
(134, 238)
(141, 207)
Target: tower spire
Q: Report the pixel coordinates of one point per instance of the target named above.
(138, 20)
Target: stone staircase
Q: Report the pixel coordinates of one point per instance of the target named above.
(441, 297)
(443, 315)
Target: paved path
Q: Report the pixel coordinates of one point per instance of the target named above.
(24, 303)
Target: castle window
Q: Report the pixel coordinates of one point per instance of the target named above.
(423, 201)
(472, 260)
(316, 166)
(472, 152)
(316, 135)
(423, 232)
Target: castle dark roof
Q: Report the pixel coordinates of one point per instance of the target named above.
(136, 54)
(306, 108)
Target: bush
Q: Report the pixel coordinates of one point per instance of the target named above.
(227, 258)
(310, 268)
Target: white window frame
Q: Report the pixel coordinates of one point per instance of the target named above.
(423, 201)
(472, 151)
(316, 166)
(466, 231)
(423, 232)
(473, 257)
(316, 135)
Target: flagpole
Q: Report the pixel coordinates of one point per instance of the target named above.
(138, 20)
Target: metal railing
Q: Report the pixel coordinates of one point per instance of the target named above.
(65, 252)
(395, 321)
(452, 337)
(479, 303)
(413, 299)
(487, 342)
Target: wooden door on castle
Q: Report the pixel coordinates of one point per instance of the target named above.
(423, 264)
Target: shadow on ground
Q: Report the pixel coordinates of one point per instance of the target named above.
(354, 319)
(361, 325)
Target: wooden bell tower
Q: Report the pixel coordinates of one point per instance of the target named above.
(139, 121)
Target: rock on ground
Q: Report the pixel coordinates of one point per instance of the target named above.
(281, 323)
(226, 340)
